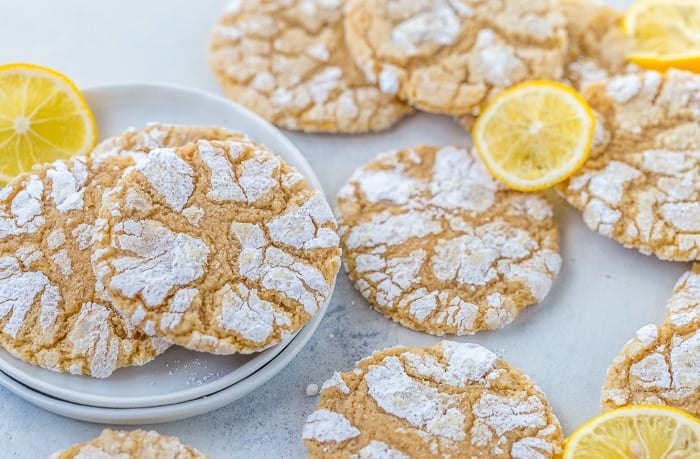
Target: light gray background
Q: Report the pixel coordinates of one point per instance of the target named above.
(604, 292)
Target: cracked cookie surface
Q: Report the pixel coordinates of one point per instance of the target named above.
(433, 242)
(660, 364)
(597, 44)
(449, 400)
(135, 444)
(453, 56)
(52, 312)
(641, 184)
(217, 246)
(287, 61)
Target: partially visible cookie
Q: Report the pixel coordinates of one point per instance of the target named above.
(433, 242)
(453, 56)
(287, 61)
(641, 184)
(684, 306)
(597, 44)
(136, 143)
(127, 445)
(217, 246)
(449, 400)
(660, 364)
(52, 312)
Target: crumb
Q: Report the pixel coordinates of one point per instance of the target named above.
(311, 390)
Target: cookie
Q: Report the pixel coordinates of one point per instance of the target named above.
(135, 444)
(597, 44)
(449, 400)
(217, 246)
(660, 364)
(641, 184)
(433, 242)
(452, 56)
(287, 61)
(136, 143)
(52, 312)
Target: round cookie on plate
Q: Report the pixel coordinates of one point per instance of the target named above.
(641, 184)
(452, 56)
(433, 242)
(288, 62)
(660, 364)
(597, 44)
(135, 444)
(449, 400)
(54, 312)
(51, 311)
(219, 247)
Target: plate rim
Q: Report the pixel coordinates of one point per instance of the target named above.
(66, 394)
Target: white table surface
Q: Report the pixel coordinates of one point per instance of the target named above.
(603, 294)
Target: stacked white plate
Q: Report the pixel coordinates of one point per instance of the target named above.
(179, 383)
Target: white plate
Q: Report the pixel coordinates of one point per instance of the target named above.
(178, 375)
(167, 413)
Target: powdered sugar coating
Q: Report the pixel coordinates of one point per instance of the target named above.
(245, 259)
(169, 175)
(452, 56)
(51, 312)
(660, 364)
(452, 399)
(640, 185)
(325, 425)
(288, 62)
(21, 213)
(435, 243)
(379, 450)
(125, 445)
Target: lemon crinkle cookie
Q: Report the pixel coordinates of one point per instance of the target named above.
(433, 242)
(217, 246)
(452, 56)
(287, 61)
(449, 400)
(54, 311)
(640, 184)
(135, 444)
(660, 364)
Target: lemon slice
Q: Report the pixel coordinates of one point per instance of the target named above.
(43, 117)
(534, 135)
(665, 34)
(636, 432)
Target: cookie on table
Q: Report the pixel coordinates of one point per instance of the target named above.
(52, 312)
(452, 56)
(660, 364)
(219, 247)
(288, 62)
(433, 242)
(597, 44)
(135, 444)
(449, 400)
(641, 184)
